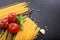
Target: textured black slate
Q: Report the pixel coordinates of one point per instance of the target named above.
(49, 15)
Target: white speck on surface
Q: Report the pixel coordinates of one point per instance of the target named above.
(31, 17)
(42, 31)
(38, 10)
(34, 19)
(45, 26)
(38, 20)
(46, 29)
(33, 9)
(36, 23)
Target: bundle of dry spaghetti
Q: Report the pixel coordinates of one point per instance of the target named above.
(30, 31)
(30, 28)
(17, 8)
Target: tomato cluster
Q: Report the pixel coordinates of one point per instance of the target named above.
(10, 23)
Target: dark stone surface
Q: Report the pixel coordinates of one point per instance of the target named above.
(49, 15)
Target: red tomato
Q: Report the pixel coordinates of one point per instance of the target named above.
(13, 27)
(12, 17)
(3, 23)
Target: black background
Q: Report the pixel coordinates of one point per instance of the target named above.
(49, 15)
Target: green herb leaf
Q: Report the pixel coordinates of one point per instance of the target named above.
(24, 18)
(21, 19)
(21, 26)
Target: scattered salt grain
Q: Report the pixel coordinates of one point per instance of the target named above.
(38, 10)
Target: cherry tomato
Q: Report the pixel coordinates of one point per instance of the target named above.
(3, 23)
(12, 17)
(13, 27)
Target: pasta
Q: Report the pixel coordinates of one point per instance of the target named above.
(4, 35)
(29, 32)
(18, 8)
(36, 32)
(30, 28)
(9, 36)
